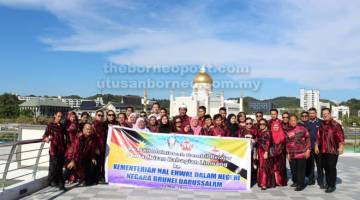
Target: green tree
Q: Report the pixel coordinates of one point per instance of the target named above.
(26, 113)
(348, 121)
(72, 97)
(9, 106)
(354, 106)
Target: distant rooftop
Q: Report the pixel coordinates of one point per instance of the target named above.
(43, 102)
(89, 105)
(129, 100)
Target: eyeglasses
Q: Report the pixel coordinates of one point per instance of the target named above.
(258, 116)
(304, 116)
(249, 123)
(285, 117)
(178, 122)
(262, 124)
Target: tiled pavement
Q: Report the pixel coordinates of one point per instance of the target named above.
(348, 188)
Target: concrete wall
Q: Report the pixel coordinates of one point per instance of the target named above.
(23, 189)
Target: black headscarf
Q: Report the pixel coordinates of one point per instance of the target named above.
(232, 128)
(165, 128)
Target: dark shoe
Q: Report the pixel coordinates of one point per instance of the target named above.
(63, 188)
(299, 188)
(293, 185)
(322, 186)
(311, 182)
(102, 179)
(53, 184)
(330, 189)
(89, 184)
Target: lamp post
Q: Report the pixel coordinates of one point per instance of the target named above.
(355, 134)
(144, 100)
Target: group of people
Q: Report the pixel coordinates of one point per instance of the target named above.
(78, 145)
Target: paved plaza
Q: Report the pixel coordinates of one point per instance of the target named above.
(347, 188)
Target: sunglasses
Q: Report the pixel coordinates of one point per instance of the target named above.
(178, 122)
(111, 115)
(100, 115)
(249, 123)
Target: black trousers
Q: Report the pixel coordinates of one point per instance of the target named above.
(329, 162)
(310, 168)
(100, 168)
(298, 169)
(253, 172)
(68, 172)
(91, 171)
(56, 164)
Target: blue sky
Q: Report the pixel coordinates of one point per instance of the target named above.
(60, 47)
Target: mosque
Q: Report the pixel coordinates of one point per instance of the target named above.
(203, 95)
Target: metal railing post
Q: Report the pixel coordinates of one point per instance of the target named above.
(355, 135)
(13, 147)
(355, 143)
(38, 159)
(18, 150)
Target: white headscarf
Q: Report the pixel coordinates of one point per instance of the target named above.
(140, 119)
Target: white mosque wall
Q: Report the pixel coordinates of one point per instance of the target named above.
(202, 94)
(190, 103)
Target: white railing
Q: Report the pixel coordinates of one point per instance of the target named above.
(20, 161)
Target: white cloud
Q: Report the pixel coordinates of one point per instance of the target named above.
(314, 43)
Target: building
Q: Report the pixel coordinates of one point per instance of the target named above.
(89, 106)
(203, 95)
(44, 106)
(72, 102)
(76, 102)
(323, 105)
(260, 106)
(116, 107)
(309, 98)
(338, 112)
(26, 98)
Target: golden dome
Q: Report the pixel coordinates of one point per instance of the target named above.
(202, 77)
